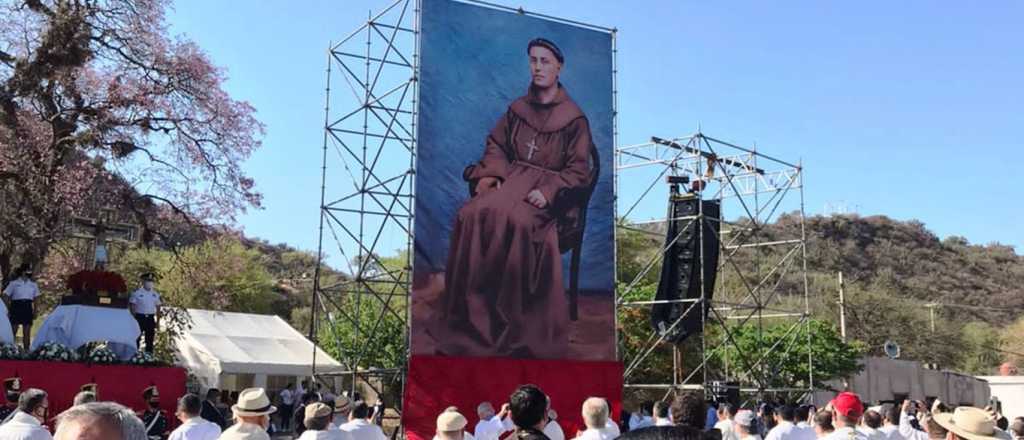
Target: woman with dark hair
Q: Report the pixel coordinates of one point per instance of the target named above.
(504, 293)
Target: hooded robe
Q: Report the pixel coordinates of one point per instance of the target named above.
(504, 292)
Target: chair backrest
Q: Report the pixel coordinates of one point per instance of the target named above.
(570, 236)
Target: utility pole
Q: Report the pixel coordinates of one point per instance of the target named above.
(842, 309)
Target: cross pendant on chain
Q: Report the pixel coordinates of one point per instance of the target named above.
(533, 149)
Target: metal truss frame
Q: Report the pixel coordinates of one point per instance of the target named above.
(367, 201)
(371, 133)
(757, 185)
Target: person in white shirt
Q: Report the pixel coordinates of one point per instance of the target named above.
(744, 422)
(192, 426)
(23, 292)
(784, 428)
(99, 421)
(802, 417)
(284, 413)
(491, 426)
(869, 425)
(552, 429)
(595, 417)
(359, 425)
(27, 422)
(905, 429)
(318, 418)
(145, 304)
(847, 410)
(662, 417)
(891, 422)
(252, 412)
(725, 424)
(823, 423)
(642, 418)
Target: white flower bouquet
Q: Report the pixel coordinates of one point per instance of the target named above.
(144, 358)
(102, 355)
(11, 351)
(53, 351)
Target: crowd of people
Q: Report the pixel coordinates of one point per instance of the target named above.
(527, 415)
(844, 418)
(315, 416)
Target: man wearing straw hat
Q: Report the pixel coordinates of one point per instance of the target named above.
(253, 412)
(318, 418)
(451, 426)
(968, 423)
(342, 408)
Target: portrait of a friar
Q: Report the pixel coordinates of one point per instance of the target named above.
(504, 283)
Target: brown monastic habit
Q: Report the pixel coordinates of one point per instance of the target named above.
(504, 294)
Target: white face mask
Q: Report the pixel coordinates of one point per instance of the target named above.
(148, 285)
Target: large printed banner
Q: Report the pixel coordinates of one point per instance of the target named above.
(514, 187)
(514, 266)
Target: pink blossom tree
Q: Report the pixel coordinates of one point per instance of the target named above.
(101, 107)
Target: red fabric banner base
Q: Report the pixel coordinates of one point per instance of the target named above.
(437, 382)
(117, 383)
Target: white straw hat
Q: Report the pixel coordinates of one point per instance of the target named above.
(253, 402)
(971, 424)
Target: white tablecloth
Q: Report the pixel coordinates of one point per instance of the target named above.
(6, 334)
(75, 326)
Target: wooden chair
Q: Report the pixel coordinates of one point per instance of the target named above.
(570, 233)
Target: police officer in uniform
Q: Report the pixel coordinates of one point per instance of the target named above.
(153, 418)
(23, 292)
(12, 390)
(145, 305)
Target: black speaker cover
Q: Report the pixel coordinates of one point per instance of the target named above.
(682, 265)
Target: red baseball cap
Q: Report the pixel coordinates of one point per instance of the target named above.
(848, 404)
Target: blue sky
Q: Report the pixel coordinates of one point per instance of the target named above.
(912, 109)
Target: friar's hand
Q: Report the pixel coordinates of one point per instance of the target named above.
(486, 184)
(537, 199)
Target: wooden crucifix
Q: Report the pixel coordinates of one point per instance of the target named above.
(101, 231)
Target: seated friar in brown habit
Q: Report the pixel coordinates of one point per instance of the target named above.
(12, 391)
(504, 293)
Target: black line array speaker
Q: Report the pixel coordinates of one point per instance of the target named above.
(685, 259)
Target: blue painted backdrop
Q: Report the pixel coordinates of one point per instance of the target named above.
(473, 65)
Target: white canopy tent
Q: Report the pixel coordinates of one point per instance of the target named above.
(235, 350)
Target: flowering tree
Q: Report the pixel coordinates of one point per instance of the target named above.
(100, 107)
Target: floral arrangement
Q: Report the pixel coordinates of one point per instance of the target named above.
(53, 351)
(144, 358)
(11, 351)
(89, 282)
(101, 355)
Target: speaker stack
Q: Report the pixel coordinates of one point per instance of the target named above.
(691, 243)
